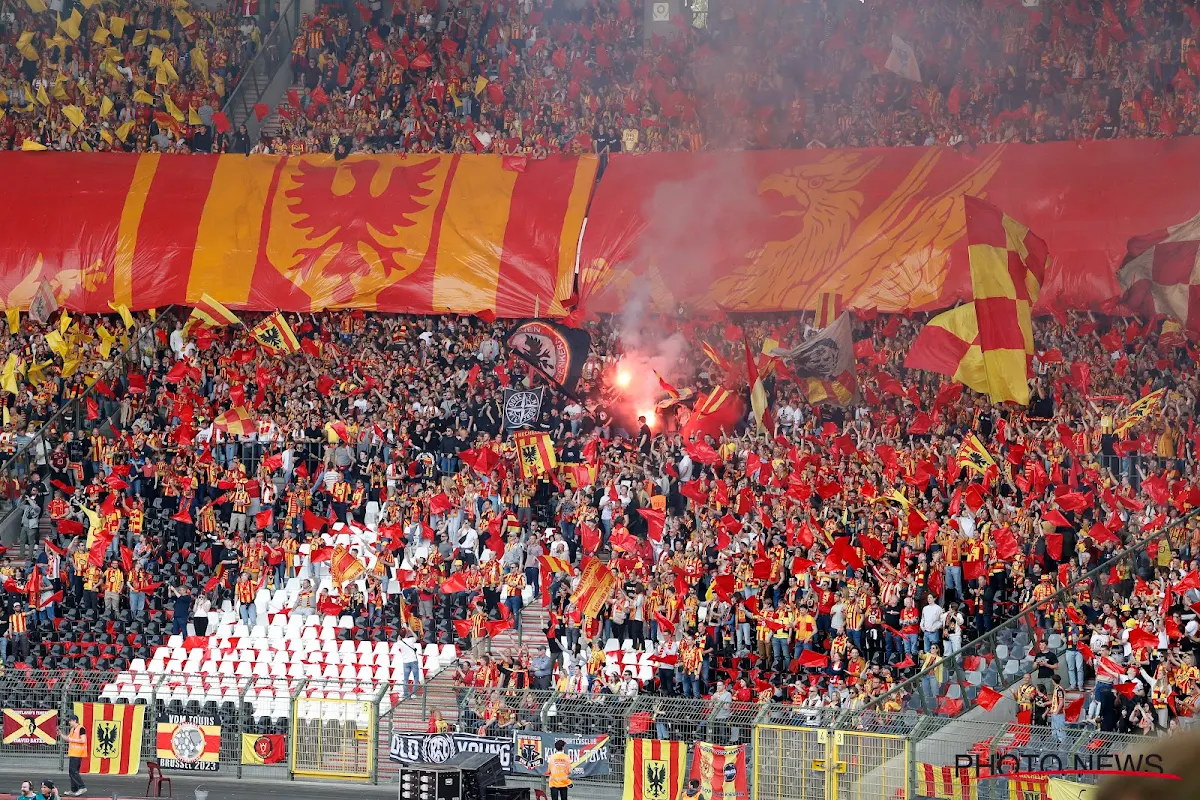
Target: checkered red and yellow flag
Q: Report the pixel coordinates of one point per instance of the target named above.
(1007, 266)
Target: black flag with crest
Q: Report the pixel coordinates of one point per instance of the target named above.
(556, 351)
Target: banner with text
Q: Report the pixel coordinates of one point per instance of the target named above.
(415, 233)
(883, 228)
(437, 748)
(532, 750)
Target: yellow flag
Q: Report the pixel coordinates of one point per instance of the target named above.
(75, 114)
(37, 372)
(185, 19)
(161, 33)
(106, 136)
(8, 378)
(57, 344)
(42, 97)
(199, 61)
(70, 366)
(172, 109)
(106, 341)
(70, 26)
(153, 312)
(193, 117)
(101, 36)
(142, 96)
(117, 25)
(156, 57)
(64, 322)
(93, 524)
(25, 46)
(88, 3)
(123, 310)
(139, 38)
(59, 92)
(14, 319)
(123, 131)
(106, 106)
(29, 146)
(480, 84)
(37, 6)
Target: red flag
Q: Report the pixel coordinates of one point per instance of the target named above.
(1006, 544)
(988, 697)
(314, 522)
(320, 554)
(654, 520)
(1075, 708)
(455, 583)
(263, 519)
(1054, 545)
(1139, 637)
(813, 659)
(589, 538)
(439, 504)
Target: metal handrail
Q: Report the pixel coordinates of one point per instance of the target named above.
(39, 438)
(1062, 595)
(288, 21)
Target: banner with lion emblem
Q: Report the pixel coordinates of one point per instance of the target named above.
(401, 233)
(114, 737)
(883, 228)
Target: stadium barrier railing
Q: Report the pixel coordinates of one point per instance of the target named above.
(343, 730)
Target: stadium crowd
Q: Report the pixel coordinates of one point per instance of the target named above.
(817, 567)
(505, 77)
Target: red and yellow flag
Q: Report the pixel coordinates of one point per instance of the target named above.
(972, 455)
(236, 420)
(949, 345)
(596, 583)
(209, 311)
(654, 769)
(37, 727)
(425, 233)
(1141, 409)
(721, 771)
(275, 335)
(344, 566)
(946, 783)
(1007, 266)
(829, 308)
(535, 452)
(114, 737)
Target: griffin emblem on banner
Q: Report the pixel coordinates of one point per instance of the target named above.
(894, 258)
(351, 231)
(105, 741)
(654, 780)
(63, 283)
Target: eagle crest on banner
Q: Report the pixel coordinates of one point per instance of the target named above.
(104, 744)
(352, 228)
(895, 257)
(655, 779)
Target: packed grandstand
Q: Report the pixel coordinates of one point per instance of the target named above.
(510, 393)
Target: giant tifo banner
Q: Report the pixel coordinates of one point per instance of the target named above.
(418, 234)
(883, 228)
